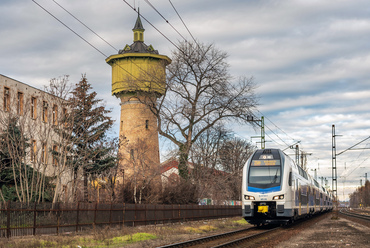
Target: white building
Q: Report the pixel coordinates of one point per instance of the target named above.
(39, 114)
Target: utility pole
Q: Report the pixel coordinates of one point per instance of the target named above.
(297, 154)
(334, 162)
(334, 171)
(262, 125)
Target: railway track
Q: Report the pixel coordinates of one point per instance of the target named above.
(356, 215)
(229, 239)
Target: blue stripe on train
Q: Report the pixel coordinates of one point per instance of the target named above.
(264, 191)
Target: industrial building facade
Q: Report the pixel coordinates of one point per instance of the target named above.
(38, 115)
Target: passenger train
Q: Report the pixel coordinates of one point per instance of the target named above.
(275, 190)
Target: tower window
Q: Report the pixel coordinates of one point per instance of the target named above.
(146, 124)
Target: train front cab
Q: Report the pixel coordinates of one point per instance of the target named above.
(267, 195)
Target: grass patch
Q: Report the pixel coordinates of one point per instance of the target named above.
(200, 229)
(136, 237)
(116, 241)
(241, 222)
(128, 236)
(207, 228)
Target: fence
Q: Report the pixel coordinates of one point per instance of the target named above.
(45, 218)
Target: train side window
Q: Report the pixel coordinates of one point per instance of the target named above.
(290, 179)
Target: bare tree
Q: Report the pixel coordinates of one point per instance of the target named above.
(233, 155)
(60, 149)
(141, 173)
(200, 94)
(218, 159)
(28, 179)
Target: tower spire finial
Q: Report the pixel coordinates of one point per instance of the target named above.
(138, 29)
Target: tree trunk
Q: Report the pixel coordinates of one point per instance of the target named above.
(86, 195)
(183, 163)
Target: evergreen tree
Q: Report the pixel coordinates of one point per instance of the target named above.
(90, 123)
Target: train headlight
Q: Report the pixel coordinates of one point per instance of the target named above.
(278, 197)
(248, 197)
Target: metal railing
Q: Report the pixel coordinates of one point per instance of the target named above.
(17, 219)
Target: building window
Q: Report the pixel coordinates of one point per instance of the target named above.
(44, 154)
(6, 99)
(33, 108)
(45, 111)
(55, 115)
(55, 155)
(33, 151)
(64, 117)
(20, 103)
(146, 124)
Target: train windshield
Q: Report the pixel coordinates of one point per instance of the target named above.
(265, 172)
(264, 176)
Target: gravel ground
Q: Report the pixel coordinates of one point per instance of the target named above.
(330, 233)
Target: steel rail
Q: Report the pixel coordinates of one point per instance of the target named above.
(237, 242)
(359, 216)
(206, 239)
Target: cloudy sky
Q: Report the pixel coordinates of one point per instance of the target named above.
(309, 59)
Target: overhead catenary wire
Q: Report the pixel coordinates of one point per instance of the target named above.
(353, 146)
(152, 25)
(151, 5)
(84, 38)
(84, 25)
(99, 37)
(277, 126)
(183, 22)
(117, 49)
(276, 136)
(56, 18)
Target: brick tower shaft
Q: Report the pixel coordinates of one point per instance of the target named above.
(138, 79)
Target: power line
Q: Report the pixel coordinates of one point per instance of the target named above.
(151, 5)
(276, 125)
(86, 40)
(152, 25)
(69, 28)
(99, 37)
(84, 25)
(183, 22)
(277, 136)
(350, 148)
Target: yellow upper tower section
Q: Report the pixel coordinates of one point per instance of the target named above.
(138, 67)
